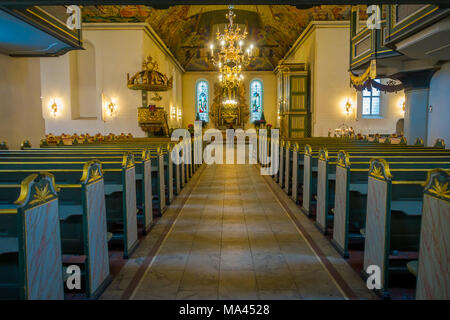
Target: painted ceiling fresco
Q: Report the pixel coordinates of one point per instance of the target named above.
(188, 30)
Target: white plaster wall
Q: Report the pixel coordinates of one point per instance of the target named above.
(325, 48)
(20, 104)
(439, 100)
(269, 93)
(118, 51)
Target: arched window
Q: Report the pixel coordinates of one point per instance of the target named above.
(202, 96)
(256, 100)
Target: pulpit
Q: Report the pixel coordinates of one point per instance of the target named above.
(152, 119)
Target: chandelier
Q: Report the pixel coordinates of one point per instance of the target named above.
(230, 57)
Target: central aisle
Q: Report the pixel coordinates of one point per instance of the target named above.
(232, 234)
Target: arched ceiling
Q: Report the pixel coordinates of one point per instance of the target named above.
(187, 30)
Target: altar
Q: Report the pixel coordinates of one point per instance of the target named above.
(229, 108)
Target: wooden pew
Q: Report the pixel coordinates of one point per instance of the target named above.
(164, 189)
(394, 206)
(120, 191)
(82, 218)
(289, 148)
(147, 167)
(351, 192)
(311, 165)
(326, 176)
(280, 175)
(30, 243)
(433, 274)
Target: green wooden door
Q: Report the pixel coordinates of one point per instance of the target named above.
(298, 115)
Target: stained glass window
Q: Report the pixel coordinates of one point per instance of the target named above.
(371, 102)
(256, 100)
(202, 100)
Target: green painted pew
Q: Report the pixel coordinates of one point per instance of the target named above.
(311, 164)
(148, 171)
(394, 207)
(351, 192)
(119, 188)
(30, 243)
(433, 273)
(326, 176)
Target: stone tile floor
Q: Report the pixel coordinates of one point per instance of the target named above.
(232, 239)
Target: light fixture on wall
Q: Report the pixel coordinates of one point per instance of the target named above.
(180, 114)
(402, 105)
(54, 107)
(348, 107)
(111, 109)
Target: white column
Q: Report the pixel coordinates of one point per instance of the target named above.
(416, 114)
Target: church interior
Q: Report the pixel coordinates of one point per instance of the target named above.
(342, 112)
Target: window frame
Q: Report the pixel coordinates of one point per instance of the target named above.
(370, 97)
(261, 82)
(197, 83)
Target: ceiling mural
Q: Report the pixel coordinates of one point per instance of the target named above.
(187, 30)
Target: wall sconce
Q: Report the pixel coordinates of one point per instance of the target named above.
(402, 105)
(54, 107)
(173, 112)
(111, 109)
(180, 114)
(348, 107)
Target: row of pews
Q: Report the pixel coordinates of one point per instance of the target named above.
(390, 200)
(61, 206)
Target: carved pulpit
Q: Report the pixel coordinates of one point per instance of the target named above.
(152, 119)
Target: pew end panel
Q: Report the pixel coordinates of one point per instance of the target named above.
(38, 241)
(280, 175)
(433, 278)
(295, 174)
(376, 252)
(95, 225)
(341, 206)
(147, 190)
(307, 177)
(129, 205)
(323, 193)
(161, 178)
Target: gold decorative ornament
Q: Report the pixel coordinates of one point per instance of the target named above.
(128, 160)
(153, 120)
(379, 168)
(343, 159)
(149, 79)
(371, 72)
(323, 154)
(440, 190)
(156, 97)
(92, 171)
(308, 149)
(231, 58)
(41, 195)
(437, 184)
